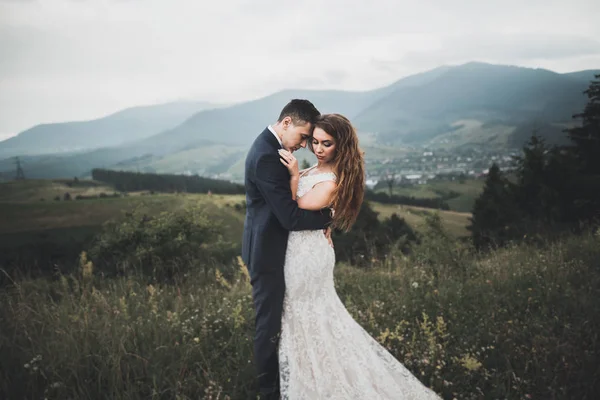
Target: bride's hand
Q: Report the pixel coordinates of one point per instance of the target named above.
(328, 236)
(290, 162)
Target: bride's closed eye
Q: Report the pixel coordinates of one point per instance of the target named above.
(326, 143)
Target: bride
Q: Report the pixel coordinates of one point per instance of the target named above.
(323, 352)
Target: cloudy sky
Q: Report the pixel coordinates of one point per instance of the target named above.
(81, 59)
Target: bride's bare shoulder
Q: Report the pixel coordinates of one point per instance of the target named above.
(305, 170)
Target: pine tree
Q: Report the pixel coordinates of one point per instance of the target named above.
(359, 245)
(495, 218)
(531, 176)
(586, 141)
(587, 136)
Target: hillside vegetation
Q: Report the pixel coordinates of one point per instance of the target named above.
(171, 321)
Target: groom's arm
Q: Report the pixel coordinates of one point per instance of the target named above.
(273, 182)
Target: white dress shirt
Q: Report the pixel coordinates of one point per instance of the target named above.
(276, 135)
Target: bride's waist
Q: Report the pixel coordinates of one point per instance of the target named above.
(317, 236)
(316, 233)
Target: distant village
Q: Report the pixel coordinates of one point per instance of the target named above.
(420, 167)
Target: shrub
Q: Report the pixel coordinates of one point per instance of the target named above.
(370, 239)
(241, 206)
(163, 246)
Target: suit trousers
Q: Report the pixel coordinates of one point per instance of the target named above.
(268, 290)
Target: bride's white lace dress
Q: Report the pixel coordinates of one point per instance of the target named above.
(323, 352)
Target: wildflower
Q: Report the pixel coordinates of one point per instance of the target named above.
(221, 279)
(151, 290)
(415, 285)
(243, 269)
(470, 363)
(86, 266)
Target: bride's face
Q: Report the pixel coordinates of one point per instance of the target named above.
(323, 145)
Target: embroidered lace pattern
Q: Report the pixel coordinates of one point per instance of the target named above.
(323, 352)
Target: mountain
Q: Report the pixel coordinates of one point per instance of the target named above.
(211, 141)
(585, 76)
(472, 105)
(127, 125)
(194, 143)
(198, 144)
(495, 96)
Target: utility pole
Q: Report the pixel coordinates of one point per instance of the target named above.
(20, 174)
(390, 179)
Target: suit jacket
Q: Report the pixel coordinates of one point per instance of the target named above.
(271, 213)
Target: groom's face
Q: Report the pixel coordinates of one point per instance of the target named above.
(295, 136)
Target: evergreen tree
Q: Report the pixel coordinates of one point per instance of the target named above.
(358, 245)
(586, 141)
(531, 171)
(396, 227)
(587, 136)
(545, 187)
(556, 186)
(371, 238)
(559, 194)
(495, 218)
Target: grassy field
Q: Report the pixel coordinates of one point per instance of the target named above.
(454, 222)
(473, 133)
(37, 215)
(216, 158)
(32, 190)
(43, 235)
(520, 323)
(57, 231)
(22, 211)
(468, 192)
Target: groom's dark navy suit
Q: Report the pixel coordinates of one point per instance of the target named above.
(271, 214)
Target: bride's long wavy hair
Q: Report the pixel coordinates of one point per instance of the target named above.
(349, 168)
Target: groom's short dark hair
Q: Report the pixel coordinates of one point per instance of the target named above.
(300, 111)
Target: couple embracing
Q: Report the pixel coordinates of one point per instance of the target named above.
(306, 345)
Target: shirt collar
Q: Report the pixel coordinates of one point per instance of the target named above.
(275, 134)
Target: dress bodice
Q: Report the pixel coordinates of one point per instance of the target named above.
(308, 181)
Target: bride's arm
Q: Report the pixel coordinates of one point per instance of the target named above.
(318, 197)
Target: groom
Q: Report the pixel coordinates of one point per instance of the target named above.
(271, 214)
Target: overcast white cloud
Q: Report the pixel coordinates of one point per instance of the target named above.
(81, 59)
